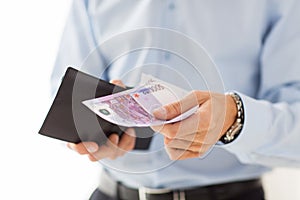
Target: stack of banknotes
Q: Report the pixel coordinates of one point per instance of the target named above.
(134, 107)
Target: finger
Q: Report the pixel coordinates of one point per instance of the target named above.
(127, 142)
(184, 145)
(181, 129)
(174, 109)
(198, 138)
(118, 83)
(112, 144)
(112, 141)
(103, 152)
(92, 158)
(84, 147)
(167, 140)
(179, 154)
(109, 150)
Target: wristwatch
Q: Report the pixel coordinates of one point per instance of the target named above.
(237, 126)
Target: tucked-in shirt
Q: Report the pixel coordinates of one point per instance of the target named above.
(251, 47)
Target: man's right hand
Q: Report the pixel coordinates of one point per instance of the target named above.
(115, 146)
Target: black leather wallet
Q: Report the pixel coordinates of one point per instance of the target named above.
(69, 120)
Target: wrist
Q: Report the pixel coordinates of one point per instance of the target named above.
(231, 110)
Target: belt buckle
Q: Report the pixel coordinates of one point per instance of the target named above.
(143, 191)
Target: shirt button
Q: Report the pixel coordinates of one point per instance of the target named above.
(167, 56)
(171, 6)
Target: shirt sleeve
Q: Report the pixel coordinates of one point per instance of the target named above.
(78, 46)
(271, 131)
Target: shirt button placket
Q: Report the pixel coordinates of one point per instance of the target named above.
(170, 21)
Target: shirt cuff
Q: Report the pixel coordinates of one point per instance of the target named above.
(256, 125)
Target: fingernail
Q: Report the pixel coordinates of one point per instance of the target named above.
(130, 132)
(160, 111)
(116, 140)
(91, 147)
(113, 139)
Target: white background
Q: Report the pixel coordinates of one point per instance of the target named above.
(33, 166)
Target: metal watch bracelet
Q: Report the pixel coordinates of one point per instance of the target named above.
(236, 128)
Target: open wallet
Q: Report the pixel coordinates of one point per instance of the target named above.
(69, 120)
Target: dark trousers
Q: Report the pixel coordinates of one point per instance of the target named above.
(254, 194)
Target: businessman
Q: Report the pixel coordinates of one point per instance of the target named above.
(222, 150)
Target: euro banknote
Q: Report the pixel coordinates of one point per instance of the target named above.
(134, 107)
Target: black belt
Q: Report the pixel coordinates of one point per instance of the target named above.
(226, 191)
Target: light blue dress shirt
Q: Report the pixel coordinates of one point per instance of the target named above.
(255, 46)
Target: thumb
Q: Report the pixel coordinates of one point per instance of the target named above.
(175, 109)
(118, 83)
(168, 111)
